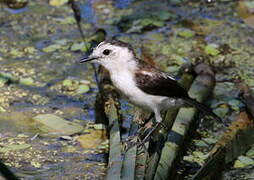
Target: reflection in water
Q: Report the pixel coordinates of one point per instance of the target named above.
(123, 3)
(87, 12)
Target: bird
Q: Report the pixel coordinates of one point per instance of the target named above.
(141, 83)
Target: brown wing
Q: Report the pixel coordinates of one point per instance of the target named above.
(155, 82)
(152, 81)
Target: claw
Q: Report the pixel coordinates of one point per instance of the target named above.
(131, 142)
(138, 142)
(149, 134)
(146, 138)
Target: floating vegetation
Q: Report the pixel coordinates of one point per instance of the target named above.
(41, 80)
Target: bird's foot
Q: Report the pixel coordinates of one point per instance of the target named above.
(141, 141)
(132, 141)
(163, 125)
(142, 136)
(147, 137)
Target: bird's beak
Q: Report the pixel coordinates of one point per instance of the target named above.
(86, 59)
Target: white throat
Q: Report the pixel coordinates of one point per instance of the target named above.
(123, 63)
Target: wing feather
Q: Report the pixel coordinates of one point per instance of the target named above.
(155, 82)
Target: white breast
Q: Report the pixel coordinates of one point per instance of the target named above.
(124, 81)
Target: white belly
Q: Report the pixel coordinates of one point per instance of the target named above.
(127, 86)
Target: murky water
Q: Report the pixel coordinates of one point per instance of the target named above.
(39, 49)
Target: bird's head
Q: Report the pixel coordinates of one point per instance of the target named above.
(111, 54)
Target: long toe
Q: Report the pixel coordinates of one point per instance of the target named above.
(163, 125)
(142, 136)
(147, 137)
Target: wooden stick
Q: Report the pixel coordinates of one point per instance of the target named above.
(77, 15)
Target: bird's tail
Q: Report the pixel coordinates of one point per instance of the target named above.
(203, 108)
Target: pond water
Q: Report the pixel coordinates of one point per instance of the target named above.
(40, 45)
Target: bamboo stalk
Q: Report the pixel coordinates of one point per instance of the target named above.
(160, 136)
(135, 158)
(186, 80)
(141, 151)
(200, 89)
(128, 171)
(115, 162)
(141, 161)
(107, 102)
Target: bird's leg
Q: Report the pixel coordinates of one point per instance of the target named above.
(152, 115)
(149, 134)
(139, 133)
(129, 144)
(158, 124)
(142, 142)
(142, 130)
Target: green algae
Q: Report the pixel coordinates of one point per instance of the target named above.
(45, 46)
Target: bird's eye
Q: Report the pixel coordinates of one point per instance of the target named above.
(106, 52)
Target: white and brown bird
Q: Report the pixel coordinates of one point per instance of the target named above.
(141, 83)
